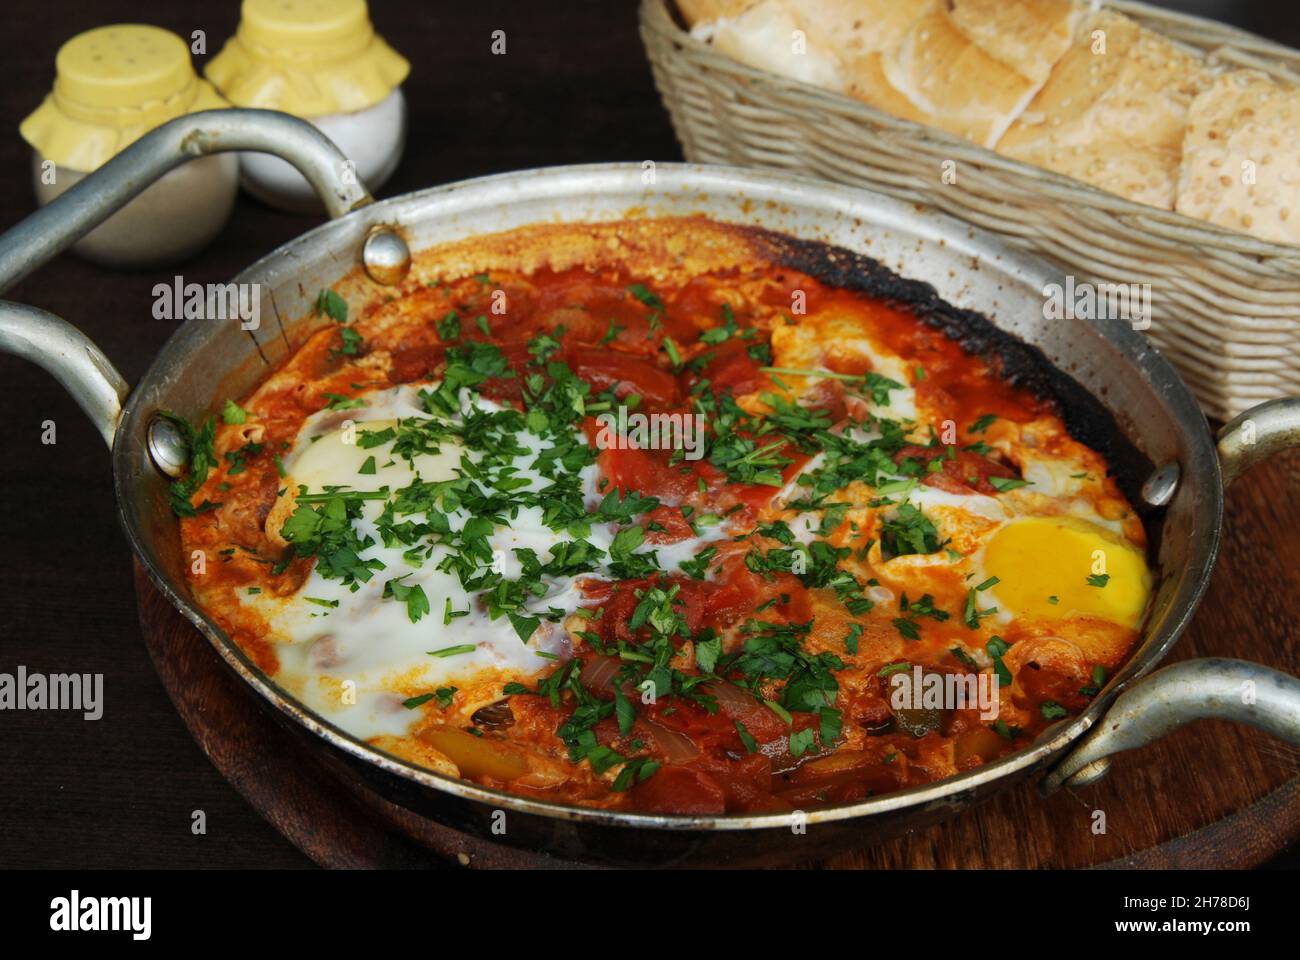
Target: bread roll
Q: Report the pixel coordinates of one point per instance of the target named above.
(1112, 112)
(916, 59)
(1240, 166)
(1087, 93)
(768, 36)
(858, 28)
(1027, 35)
(954, 81)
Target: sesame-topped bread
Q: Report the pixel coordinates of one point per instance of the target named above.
(1112, 112)
(1061, 84)
(1240, 166)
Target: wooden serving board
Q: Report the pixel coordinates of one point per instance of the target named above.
(1210, 795)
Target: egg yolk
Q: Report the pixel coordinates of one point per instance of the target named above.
(1054, 567)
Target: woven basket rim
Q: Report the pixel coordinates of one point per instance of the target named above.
(656, 16)
(1226, 30)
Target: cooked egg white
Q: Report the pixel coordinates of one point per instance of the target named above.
(1039, 551)
(355, 656)
(1057, 550)
(1040, 543)
(810, 346)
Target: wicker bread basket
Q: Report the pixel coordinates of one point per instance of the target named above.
(1225, 306)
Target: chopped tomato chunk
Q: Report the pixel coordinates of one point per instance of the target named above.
(733, 370)
(678, 789)
(961, 473)
(667, 525)
(623, 373)
(651, 474)
(416, 363)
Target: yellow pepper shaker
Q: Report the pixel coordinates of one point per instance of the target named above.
(113, 85)
(320, 60)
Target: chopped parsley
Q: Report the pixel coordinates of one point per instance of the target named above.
(972, 615)
(643, 293)
(996, 648)
(698, 566)
(1098, 681)
(417, 603)
(326, 532)
(1051, 710)
(611, 333)
(909, 629)
(454, 651)
(338, 401)
(332, 305)
(449, 328)
(728, 329)
(963, 657)
(233, 413)
(908, 531)
(352, 342)
(199, 441)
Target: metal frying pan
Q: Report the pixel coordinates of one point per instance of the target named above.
(1182, 497)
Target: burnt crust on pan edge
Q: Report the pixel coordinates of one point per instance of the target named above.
(1019, 363)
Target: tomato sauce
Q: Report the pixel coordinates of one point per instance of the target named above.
(655, 345)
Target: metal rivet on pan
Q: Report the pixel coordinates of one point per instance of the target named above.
(1087, 776)
(167, 447)
(385, 255)
(1160, 486)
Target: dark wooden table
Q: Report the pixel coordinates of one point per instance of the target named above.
(573, 87)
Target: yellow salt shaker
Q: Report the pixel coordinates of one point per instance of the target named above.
(113, 85)
(322, 61)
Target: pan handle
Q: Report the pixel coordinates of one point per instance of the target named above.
(55, 227)
(1257, 434)
(1235, 690)
(63, 350)
(71, 357)
(1192, 690)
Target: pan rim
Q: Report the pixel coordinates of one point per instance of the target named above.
(700, 180)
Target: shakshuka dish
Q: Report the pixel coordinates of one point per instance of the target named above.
(668, 516)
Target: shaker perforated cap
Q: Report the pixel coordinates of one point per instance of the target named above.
(306, 24)
(125, 65)
(112, 85)
(306, 57)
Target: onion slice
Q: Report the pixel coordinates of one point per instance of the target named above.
(598, 675)
(738, 704)
(675, 746)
